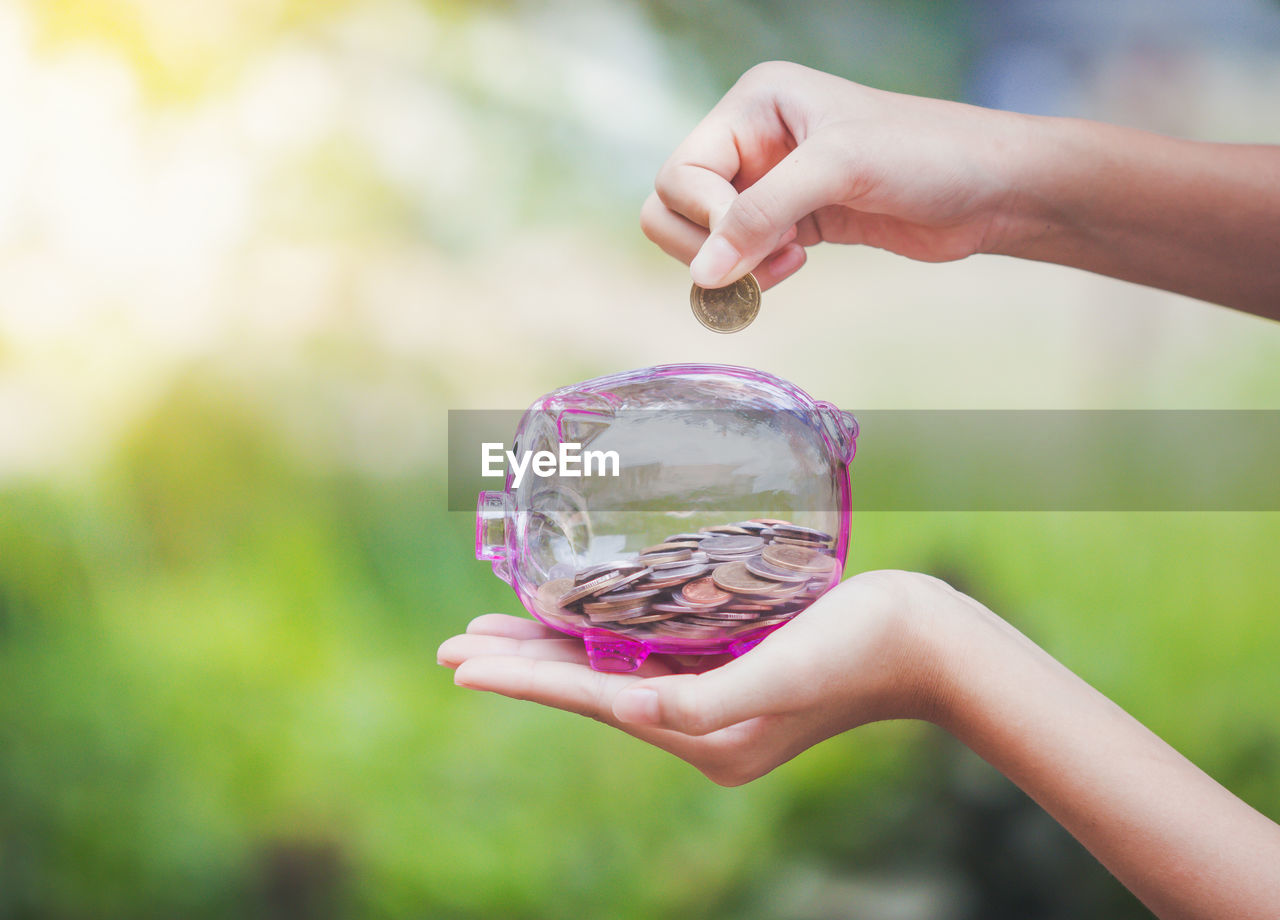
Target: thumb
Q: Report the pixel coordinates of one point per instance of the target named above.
(763, 681)
(753, 224)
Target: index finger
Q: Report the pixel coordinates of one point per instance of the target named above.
(697, 180)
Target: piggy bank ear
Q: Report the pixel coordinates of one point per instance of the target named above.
(581, 417)
(841, 429)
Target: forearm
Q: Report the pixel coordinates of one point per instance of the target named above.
(1177, 839)
(1197, 218)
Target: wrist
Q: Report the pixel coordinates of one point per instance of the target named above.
(1041, 169)
(956, 640)
(915, 637)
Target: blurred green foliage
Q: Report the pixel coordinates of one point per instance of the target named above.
(221, 700)
(907, 47)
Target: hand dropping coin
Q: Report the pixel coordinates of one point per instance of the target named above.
(727, 309)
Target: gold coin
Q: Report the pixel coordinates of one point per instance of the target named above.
(704, 592)
(547, 599)
(796, 558)
(734, 577)
(598, 585)
(669, 546)
(727, 309)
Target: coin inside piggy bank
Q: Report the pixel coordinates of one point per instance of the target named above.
(725, 511)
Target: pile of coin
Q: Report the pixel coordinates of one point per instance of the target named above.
(723, 580)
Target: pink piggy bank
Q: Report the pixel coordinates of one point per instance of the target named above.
(684, 509)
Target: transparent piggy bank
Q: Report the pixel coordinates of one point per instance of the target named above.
(684, 509)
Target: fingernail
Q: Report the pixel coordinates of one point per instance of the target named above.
(715, 260)
(464, 675)
(639, 705)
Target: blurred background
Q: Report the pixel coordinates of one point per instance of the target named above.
(252, 251)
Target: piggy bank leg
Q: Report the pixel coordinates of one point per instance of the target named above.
(607, 651)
